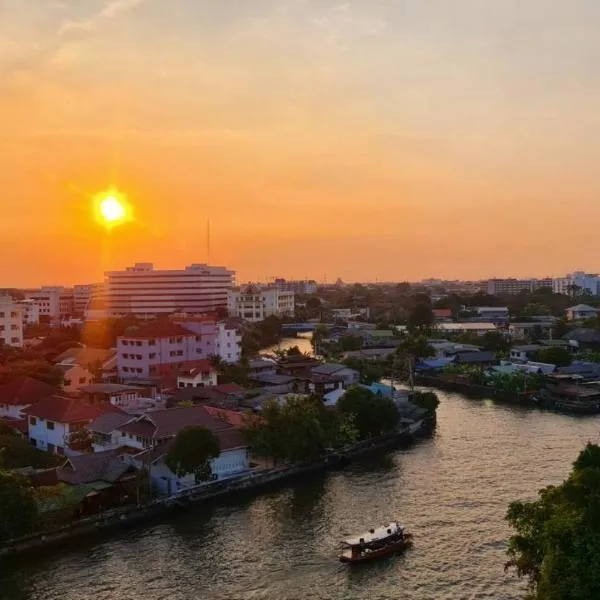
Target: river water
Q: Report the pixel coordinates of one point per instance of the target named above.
(451, 490)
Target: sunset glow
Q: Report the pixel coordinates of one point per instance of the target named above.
(112, 209)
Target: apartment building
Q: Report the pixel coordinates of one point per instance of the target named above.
(577, 283)
(83, 294)
(55, 302)
(11, 322)
(299, 286)
(214, 337)
(512, 287)
(143, 291)
(256, 304)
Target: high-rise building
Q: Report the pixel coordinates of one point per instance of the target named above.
(299, 286)
(83, 294)
(577, 283)
(256, 304)
(143, 291)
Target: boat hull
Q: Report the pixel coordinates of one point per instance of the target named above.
(387, 550)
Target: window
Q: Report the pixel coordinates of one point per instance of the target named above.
(32, 421)
(125, 369)
(138, 356)
(2, 327)
(179, 352)
(51, 448)
(50, 425)
(179, 340)
(181, 384)
(14, 327)
(67, 382)
(139, 370)
(125, 355)
(138, 343)
(1, 315)
(82, 380)
(152, 355)
(33, 442)
(14, 315)
(14, 340)
(125, 342)
(152, 342)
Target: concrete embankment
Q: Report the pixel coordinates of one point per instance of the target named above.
(252, 482)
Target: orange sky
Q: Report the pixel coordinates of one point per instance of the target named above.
(365, 140)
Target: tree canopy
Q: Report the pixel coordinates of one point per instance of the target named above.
(556, 544)
(37, 368)
(555, 355)
(16, 453)
(373, 414)
(421, 316)
(19, 509)
(192, 451)
(417, 346)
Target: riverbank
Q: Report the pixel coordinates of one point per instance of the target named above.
(252, 483)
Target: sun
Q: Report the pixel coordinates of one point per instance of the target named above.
(112, 209)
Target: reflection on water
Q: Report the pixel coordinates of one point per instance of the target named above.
(302, 341)
(451, 490)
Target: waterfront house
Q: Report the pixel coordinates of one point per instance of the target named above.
(581, 312)
(105, 430)
(51, 421)
(260, 366)
(582, 370)
(20, 393)
(347, 375)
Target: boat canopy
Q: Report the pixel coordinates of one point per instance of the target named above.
(375, 535)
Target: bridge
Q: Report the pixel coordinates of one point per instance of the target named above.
(302, 327)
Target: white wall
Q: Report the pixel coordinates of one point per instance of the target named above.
(59, 436)
(13, 412)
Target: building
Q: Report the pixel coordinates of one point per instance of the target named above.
(512, 287)
(345, 374)
(83, 294)
(54, 302)
(217, 338)
(12, 316)
(577, 283)
(201, 373)
(581, 312)
(20, 393)
(300, 287)
(75, 377)
(524, 352)
(157, 348)
(256, 304)
(143, 291)
(31, 311)
(51, 422)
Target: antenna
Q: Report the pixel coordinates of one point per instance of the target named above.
(208, 241)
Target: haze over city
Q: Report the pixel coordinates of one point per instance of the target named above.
(365, 140)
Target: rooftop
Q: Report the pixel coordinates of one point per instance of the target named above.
(161, 328)
(85, 356)
(109, 388)
(63, 409)
(87, 468)
(24, 391)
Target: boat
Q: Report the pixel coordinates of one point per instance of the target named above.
(582, 399)
(376, 543)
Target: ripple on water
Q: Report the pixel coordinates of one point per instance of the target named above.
(452, 490)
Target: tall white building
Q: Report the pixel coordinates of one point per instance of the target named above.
(83, 294)
(256, 304)
(143, 291)
(31, 311)
(577, 283)
(11, 322)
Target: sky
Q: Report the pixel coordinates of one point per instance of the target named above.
(367, 140)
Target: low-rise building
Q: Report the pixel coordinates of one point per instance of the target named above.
(51, 422)
(524, 352)
(21, 393)
(200, 373)
(581, 312)
(256, 304)
(12, 316)
(75, 377)
(347, 375)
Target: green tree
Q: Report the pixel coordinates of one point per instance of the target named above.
(535, 309)
(374, 414)
(495, 341)
(555, 355)
(38, 369)
(18, 453)
(556, 543)
(421, 316)
(192, 451)
(417, 346)
(427, 400)
(351, 342)
(19, 510)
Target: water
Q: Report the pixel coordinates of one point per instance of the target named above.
(451, 490)
(302, 341)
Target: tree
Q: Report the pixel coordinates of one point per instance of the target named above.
(319, 334)
(421, 316)
(38, 369)
(427, 400)
(555, 355)
(313, 304)
(417, 346)
(495, 341)
(17, 453)
(81, 440)
(535, 309)
(350, 342)
(19, 510)
(192, 451)
(556, 543)
(374, 414)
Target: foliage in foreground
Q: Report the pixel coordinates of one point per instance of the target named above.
(374, 414)
(557, 540)
(18, 508)
(192, 451)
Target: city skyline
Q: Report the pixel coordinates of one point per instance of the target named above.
(374, 140)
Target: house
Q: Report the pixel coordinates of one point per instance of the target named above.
(493, 314)
(583, 338)
(370, 353)
(524, 352)
(442, 315)
(200, 373)
(581, 312)
(126, 397)
(102, 478)
(75, 377)
(20, 393)
(105, 430)
(444, 348)
(525, 330)
(225, 395)
(215, 338)
(154, 432)
(51, 421)
(347, 375)
(271, 379)
(262, 365)
(103, 359)
(480, 359)
(583, 370)
(297, 366)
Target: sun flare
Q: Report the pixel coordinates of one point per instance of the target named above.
(112, 209)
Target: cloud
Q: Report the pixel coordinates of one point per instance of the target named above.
(111, 10)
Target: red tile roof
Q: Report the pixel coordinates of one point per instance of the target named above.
(62, 409)
(161, 328)
(194, 367)
(24, 391)
(86, 356)
(233, 417)
(229, 388)
(19, 425)
(442, 313)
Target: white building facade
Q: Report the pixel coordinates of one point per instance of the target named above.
(577, 283)
(12, 316)
(143, 291)
(255, 304)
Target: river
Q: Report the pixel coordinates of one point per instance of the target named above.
(451, 490)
